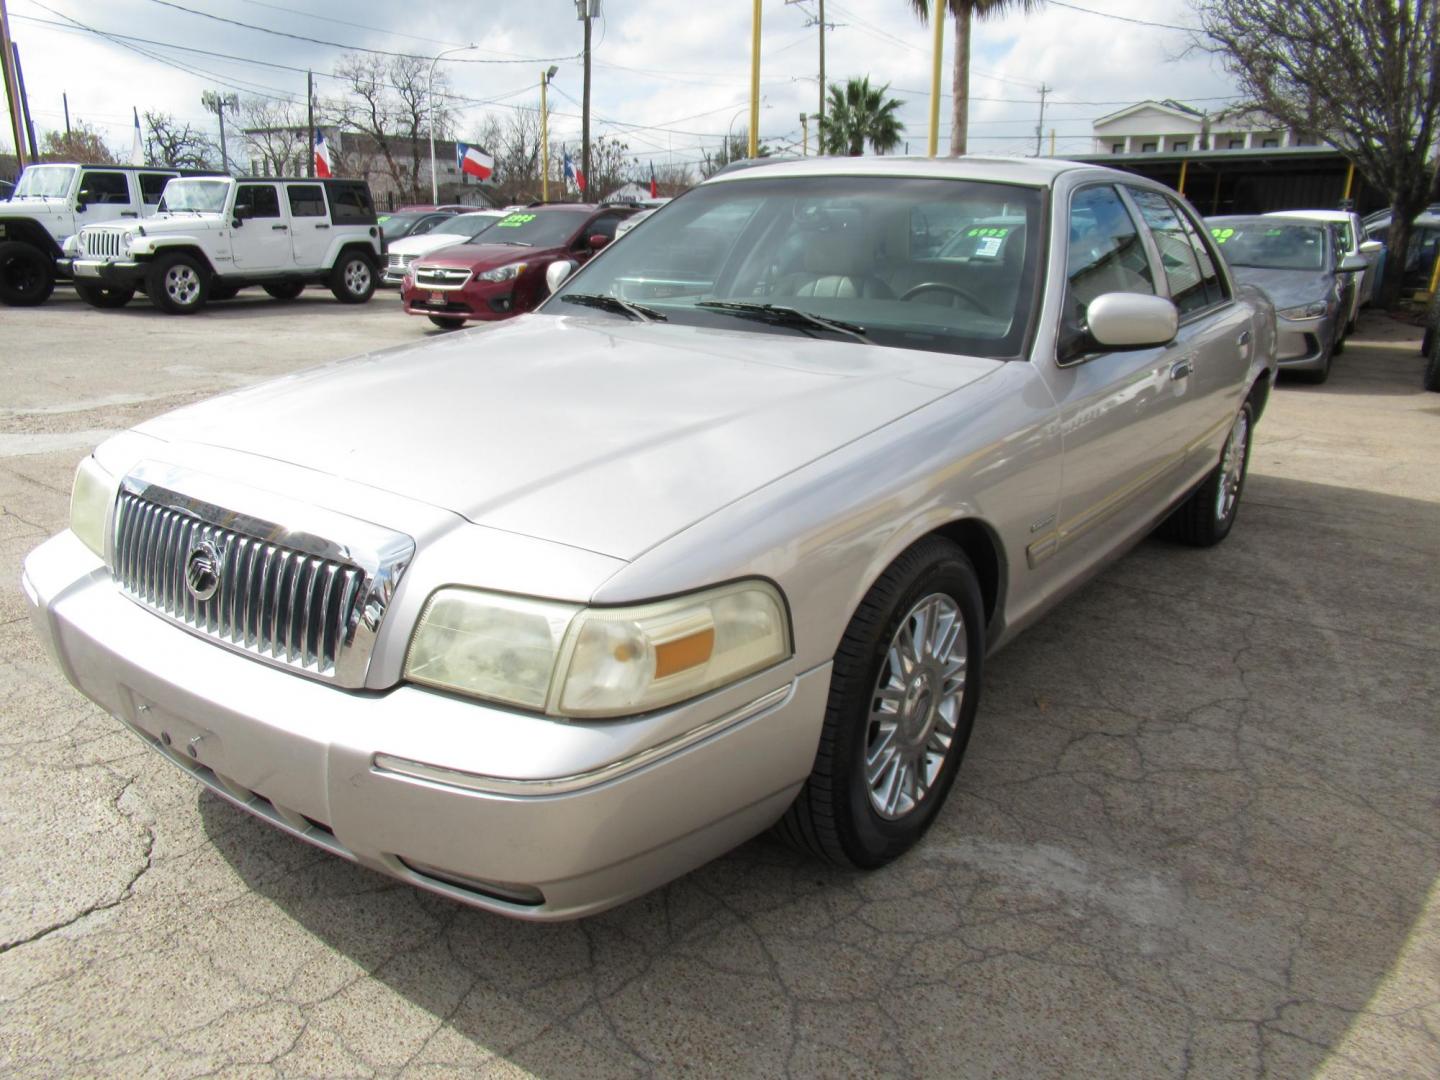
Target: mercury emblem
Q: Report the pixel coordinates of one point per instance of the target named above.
(202, 570)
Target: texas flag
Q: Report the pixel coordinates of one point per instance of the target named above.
(322, 155)
(472, 161)
(654, 187)
(572, 173)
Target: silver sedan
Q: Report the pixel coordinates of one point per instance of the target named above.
(719, 539)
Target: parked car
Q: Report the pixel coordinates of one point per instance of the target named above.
(1424, 246)
(633, 220)
(448, 208)
(399, 225)
(1349, 239)
(457, 230)
(50, 203)
(502, 272)
(6, 190)
(214, 236)
(542, 618)
(1298, 263)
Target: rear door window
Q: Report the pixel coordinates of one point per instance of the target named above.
(306, 200)
(152, 185)
(1193, 286)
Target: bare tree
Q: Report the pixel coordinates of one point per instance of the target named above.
(82, 143)
(275, 134)
(610, 166)
(179, 146)
(387, 101)
(514, 143)
(1362, 74)
(734, 148)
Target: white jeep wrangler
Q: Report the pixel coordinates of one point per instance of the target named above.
(50, 203)
(214, 236)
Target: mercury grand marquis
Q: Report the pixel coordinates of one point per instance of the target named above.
(716, 540)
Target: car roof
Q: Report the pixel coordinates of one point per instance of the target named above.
(1031, 172)
(1312, 215)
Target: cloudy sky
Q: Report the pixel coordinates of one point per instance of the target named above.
(669, 77)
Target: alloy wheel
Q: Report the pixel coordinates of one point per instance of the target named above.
(1232, 467)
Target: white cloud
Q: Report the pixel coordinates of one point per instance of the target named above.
(683, 67)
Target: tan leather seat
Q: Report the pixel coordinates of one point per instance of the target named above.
(839, 263)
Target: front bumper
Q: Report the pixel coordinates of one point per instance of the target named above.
(481, 300)
(395, 780)
(123, 273)
(1305, 344)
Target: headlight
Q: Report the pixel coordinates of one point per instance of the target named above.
(501, 273)
(126, 242)
(1305, 311)
(70, 245)
(579, 662)
(90, 498)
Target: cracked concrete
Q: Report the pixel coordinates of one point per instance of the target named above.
(1197, 835)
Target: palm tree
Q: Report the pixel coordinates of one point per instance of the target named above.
(859, 114)
(965, 11)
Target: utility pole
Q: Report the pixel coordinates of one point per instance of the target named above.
(65, 101)
(12, 89)
(819, 20)
(587, 9)
(754, 80)
(937, 50)
(24, 100)
(218, 103)
(1040, 124)
(545, 77)
(804, 135)
(310, 119)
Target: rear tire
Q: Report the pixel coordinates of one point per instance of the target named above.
(103, 296)
(177, 284)
(1206, 517)
(286, 290)
(903, 694)
(447, 324)
(353, 278)
(27, 274)
(1432, 369)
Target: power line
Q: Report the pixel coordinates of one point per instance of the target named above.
(1122, 18)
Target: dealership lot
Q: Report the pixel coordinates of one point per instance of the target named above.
(1196, 832)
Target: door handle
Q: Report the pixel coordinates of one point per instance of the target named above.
(1243, 339)
(322, 226)
(128, 213)
(1180, 369)
(278, 228)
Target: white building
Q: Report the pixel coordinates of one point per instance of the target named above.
(1168, 127)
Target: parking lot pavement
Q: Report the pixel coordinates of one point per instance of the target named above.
(1198, 832)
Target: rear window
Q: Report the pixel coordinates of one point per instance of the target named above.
(306, 200)
(350, 204)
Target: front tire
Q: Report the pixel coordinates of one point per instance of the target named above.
(177, 284)
(1432, 369)
(27, 275)
(903, 694)
(446, 324)
(103, 296)
(1206, 517)
(353, 278)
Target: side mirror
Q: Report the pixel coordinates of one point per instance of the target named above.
(598, 241)
(557, 272)
(237, 220)
(1354, 264)
(1119, 322)
(1371, 247)
(82, 200)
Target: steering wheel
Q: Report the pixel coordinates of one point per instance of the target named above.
(929, 286)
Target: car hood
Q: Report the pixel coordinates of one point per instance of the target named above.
(487, 256)
(163, 224)
(598, 434)
(424, 244)
(1287, 288)
(33, 206)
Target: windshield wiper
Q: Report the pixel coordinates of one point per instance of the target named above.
(615, 304)
(778, 315)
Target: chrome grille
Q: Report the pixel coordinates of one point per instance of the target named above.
(104, 243)
(399, 262)
(290, 607)
(441, 277)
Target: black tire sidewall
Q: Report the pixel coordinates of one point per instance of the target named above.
(337, 279)
(39, 265)
(867, 838)
(101, 296)
(285, 291)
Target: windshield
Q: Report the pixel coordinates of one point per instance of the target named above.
(45, 182)
(466, 225)
(207, 196)
(939, 265)
(1268, 245)
(537, 228)
(396, 225)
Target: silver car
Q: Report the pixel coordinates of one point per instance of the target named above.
(1309, 279)
(718, 539)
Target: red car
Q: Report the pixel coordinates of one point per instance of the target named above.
(505, 274)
